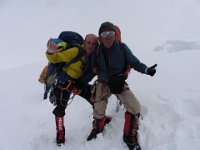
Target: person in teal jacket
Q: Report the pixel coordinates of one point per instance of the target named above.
(112, 59)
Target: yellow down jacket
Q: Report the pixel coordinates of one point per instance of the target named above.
(74, 70)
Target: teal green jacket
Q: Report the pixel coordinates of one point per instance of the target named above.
(115, 59)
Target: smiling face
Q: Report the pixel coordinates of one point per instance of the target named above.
(90, 43)
(107, 38)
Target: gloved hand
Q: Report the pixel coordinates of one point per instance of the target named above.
(151, 70)
(52, 47)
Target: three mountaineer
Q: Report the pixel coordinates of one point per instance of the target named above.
(110, 60)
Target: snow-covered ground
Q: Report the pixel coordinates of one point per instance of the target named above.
(165, 32)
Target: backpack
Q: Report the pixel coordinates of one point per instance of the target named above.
(72, 39)
(118, 33)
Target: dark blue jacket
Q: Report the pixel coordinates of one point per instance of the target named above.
(116, 60)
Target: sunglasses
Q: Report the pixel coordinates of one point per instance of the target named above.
(107, 33)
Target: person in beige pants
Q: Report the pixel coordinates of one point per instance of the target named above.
(113, 59)
(128, 99)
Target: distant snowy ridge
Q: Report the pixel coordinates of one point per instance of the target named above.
(178, 45)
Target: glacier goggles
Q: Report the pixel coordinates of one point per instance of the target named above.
(107, 33)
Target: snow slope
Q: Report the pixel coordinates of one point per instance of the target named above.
(158, 31)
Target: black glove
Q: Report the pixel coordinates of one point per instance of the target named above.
(151, 70)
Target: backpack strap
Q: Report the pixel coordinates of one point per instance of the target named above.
(75, 59)
(122, 48)
(127, 67)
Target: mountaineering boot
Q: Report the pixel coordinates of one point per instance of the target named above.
(60, 137)
(98, 126)
(130, 131)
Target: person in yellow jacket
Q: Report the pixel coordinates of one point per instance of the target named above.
(71, 77)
